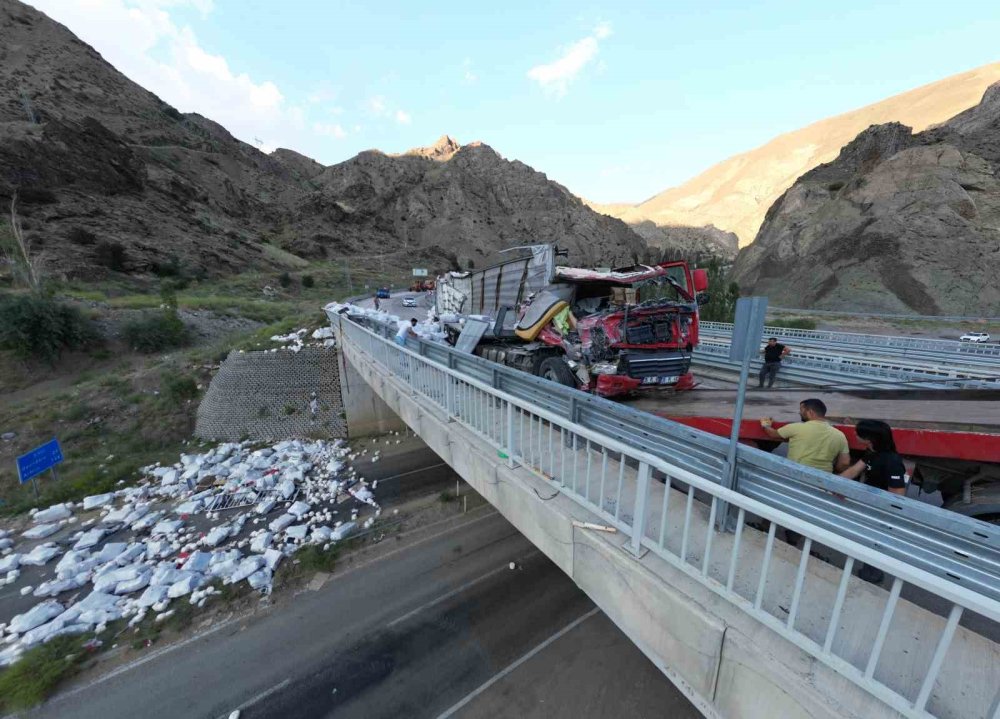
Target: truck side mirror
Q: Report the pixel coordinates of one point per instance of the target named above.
(700, 280)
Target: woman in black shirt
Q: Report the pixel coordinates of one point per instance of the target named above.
(882, 467)
(881, 464)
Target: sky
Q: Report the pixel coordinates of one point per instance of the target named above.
(616, 101)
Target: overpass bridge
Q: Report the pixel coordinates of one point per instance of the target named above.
(743, 623)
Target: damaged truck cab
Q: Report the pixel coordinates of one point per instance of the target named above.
(608, 331)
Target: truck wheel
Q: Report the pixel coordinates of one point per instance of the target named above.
(555, 369)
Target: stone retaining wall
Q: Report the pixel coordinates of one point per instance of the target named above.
(265, 396)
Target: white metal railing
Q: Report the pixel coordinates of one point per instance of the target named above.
(653, 502)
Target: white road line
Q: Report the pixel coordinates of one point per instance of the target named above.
(453, 592)
(501, 674)
(355, 567)
(412, 471)
(263, 695)
(148, 658)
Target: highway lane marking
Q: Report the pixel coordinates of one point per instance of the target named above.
(458, 590)
(412, 471)
(148, 658)
(443, 532)
(259, 697)
(183, 643)
(504, 672)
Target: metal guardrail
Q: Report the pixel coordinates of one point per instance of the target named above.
(819, 371)
(952, 546)
(930, 318)
(536, 423)
(888, 341)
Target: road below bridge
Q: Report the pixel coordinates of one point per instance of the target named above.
(438, 623)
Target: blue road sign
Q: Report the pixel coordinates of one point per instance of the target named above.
(38, 460)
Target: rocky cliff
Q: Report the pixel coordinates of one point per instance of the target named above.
(735, 194)
(898, 222)
(99, 162)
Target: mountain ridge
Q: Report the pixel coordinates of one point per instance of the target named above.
(734, 195)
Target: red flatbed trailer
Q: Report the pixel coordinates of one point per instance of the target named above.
(963, 466)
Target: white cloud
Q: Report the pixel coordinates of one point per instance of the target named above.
(334, 130)
(468, 76)
(556, 76)
(376, 105)
(142, 40)
(402, 117)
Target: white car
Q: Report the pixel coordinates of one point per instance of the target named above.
(975, 337)
(409, 302)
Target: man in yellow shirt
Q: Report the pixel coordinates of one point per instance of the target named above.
(813, 442)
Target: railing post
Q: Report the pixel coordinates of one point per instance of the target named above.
(510, 435)
(639, 510)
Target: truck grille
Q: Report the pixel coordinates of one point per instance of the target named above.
(649, 364)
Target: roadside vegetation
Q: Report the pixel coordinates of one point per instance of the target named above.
(115, 368)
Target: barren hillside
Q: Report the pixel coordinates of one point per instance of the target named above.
(112, 179)
(735, 194)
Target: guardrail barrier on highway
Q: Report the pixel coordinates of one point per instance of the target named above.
(625, 465)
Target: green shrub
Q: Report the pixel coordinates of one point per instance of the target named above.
(308, 281)
(156, 331)
(32, 678)
(178, 387)
(285, 279)
(799, 323)
(39, 327)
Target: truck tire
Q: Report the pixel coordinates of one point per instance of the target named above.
(555, 369)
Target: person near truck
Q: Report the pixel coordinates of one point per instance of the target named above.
(406, 329)
(813, 442)
(882, 467)
(773, 354)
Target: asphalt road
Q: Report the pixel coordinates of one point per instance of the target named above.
(439, 624)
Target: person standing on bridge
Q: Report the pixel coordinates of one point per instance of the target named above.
(813, 442)
(406, 329)
(773, 354)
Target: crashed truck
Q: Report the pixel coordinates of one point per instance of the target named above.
(607, 331)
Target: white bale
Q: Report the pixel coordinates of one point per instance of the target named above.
(279, 524)
(35, 617)
(98, 500)
(41, 531)
(40, 555)
(261, 542)
(54, 513)
(185, 586)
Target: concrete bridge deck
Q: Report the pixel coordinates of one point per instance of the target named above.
(728, 660)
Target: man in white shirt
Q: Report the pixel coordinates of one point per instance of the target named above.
(406, 329)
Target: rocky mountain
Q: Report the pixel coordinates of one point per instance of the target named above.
(112, 179)
(735, 194)
(898, 222)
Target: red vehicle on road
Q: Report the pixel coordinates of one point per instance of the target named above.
(608, 331)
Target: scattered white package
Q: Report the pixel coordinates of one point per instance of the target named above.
(35, 617)
(261, 542)
(89, 538)
(343, 530)
(41, 531)
(98, 500)
(298, 509)
(298, 532)
(54, 513)
(281, 522)
(185, 586)
(40, 555)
